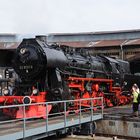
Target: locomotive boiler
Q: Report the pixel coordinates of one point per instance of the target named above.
(53, 72)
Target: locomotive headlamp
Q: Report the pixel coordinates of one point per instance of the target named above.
(5, 91)
(35, 91)
(23, 50)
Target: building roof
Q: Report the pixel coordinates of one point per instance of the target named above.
(104, 43)
(133, 42)
(79, 44)
(8, 45)
(98, 32)
(8, 34)
(94, 36)
(109, 43)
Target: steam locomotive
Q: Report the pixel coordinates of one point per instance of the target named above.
(53, 73)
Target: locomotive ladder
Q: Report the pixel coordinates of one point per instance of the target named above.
(36, 128)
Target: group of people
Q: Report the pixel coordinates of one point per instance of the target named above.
(135, 94)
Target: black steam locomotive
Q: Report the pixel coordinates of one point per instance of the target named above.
(50, 65)
(53, 72)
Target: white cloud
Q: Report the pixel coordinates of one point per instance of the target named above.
(47, 16)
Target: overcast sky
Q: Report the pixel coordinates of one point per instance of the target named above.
(68, 16)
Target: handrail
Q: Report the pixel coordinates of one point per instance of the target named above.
(63, 113)
(40, 103)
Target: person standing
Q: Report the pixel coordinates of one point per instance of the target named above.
(135, 92)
